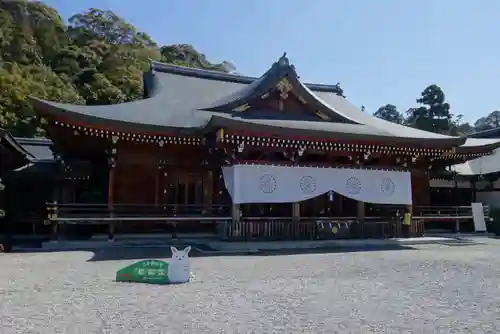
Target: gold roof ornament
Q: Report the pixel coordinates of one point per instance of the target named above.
(284, 87)
(220, 135)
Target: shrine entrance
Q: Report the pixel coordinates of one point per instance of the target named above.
(183, 192)
(187, 199)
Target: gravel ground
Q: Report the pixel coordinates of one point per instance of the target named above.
(432, 289)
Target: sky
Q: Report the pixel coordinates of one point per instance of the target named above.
(381, 52)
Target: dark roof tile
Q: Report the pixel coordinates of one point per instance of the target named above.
(178, 95)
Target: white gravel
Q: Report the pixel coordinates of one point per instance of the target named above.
(434, 289)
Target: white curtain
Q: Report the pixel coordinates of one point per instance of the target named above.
(282, 184)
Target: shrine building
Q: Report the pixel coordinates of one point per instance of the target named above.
(269, 157)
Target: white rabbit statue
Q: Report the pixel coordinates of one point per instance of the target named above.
(179, 268)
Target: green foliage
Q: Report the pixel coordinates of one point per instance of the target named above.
(434, 115)
(98, 58)
(17, 83)
(489, 122)
(390, 113)
(186, 55)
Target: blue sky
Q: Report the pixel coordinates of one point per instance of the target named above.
(380, 51)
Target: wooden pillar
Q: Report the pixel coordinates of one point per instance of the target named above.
(360, 211)
(234, 228)
(55, 229)
(111, 200)
(474, 192)
(341, 204)
(111, 188)
(158, 179)
(296, 212)
(208, 191)
(235, 211)
(157, 187)
(53, 213)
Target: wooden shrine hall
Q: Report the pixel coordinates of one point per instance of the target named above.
(27, 177)
(269, 157)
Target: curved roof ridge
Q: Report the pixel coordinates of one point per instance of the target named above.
(231, 77)
(9, 138)
(33, 141)
(254, 89)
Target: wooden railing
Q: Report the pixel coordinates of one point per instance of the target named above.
(92, 211)
(275, 228)
(445, 212)
(272, 229)
(188, 217)
(428, 212)
(99, 210)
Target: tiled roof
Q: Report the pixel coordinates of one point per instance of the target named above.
(39, 148)
(194, 101)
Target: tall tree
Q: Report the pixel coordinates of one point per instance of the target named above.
(489, 122)
(390, 113)
(434, 113)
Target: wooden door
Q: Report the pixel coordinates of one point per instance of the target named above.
(184, 192)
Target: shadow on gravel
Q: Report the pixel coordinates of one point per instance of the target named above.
(203, 251)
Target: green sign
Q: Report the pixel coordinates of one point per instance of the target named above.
(147, 271)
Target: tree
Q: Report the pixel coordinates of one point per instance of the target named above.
(390, 113)
(98, 58)
(17, 83)
(434, 113)
(186, 55)
(491, 121)
(458, 128)
(106, 26)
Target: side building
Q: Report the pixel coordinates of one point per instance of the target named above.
(269, 157)
(28, 175)
(483, 174)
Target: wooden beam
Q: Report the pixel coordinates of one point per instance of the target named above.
(111, 187)
(208, 190)
(111, 199)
